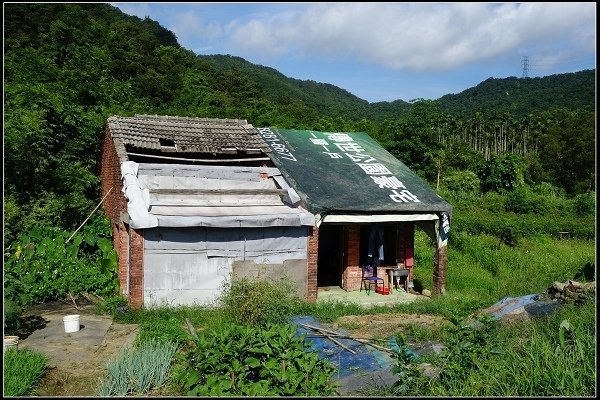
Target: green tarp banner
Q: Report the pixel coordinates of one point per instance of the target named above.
(349, 173)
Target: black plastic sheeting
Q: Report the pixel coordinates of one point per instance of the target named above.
(348, 172)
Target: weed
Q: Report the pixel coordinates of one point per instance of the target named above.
(256, 302)
(244, 360)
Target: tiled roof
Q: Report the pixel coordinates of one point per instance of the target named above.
(203, 135)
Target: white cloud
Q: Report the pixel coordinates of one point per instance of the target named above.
(192, 32)
(417, 36)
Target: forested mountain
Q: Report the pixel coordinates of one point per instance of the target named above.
(69, 66)
(522, 96)
(327, 99)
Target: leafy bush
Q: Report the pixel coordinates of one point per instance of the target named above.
(500, 173)
(243, 360)
(12, 316)
(522, 200)
(584, 204)
(42, 265)
(410, 377)
(22, 370)
(140, 369)
(467, 348)
(111, 305)
(462, 182)
(256, 302)
(493, 223)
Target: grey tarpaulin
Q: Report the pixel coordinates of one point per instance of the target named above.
(171, 195)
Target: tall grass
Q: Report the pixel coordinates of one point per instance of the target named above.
(481, 269)
(22, 370)
(535, 362)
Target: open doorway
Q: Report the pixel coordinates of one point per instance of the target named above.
(390, 244)
(331, 255)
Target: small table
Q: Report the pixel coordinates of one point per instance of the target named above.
(397, 272)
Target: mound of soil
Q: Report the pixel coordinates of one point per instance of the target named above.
(386, 325)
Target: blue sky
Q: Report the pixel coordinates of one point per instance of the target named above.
(389, 51)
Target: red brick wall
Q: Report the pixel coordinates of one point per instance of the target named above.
(352, 274)
(110, 175)
(121, 239)
(313, 252)
(439, 271)
(136, 268)
(114, 203)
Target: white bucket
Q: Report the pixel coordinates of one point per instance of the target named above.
(11, 342)
(71, 323)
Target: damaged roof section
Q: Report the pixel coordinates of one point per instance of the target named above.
(170, 195)
(185, 139)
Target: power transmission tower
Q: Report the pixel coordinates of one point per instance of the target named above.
(525, 64)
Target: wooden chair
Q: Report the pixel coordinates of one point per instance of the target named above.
(369, 277)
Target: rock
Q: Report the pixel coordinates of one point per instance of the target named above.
(559, 286)
(429, 370)
(589, 286)
(420, 349)
(574, 285)
(426, 292)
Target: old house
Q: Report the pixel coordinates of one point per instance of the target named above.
(195, 202)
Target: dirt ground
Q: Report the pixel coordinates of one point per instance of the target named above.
(373, 326)
(69, 374)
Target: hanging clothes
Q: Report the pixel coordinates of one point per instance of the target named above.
(376, 241)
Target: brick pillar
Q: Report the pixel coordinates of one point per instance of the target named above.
(136, 268)
(352, 273)
(313, 253)
(121, 239)
(439, 271)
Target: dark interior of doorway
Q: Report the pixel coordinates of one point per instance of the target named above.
(390, 240)
(331, 255)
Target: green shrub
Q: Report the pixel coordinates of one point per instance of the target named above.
(256, 302)
(243, 360)
(522, 200)
(411, 380)
(493, 223)
(584, 204)
(139, 369)
(468, 346)
(23, 369)
(111, 305)
(43, 265)
(12, 316)
(462, 182)
(492, 201)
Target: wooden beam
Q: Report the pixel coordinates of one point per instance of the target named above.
(280, 192)
(223, 160)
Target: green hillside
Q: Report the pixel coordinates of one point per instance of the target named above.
(522, 96)
(327, 99)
